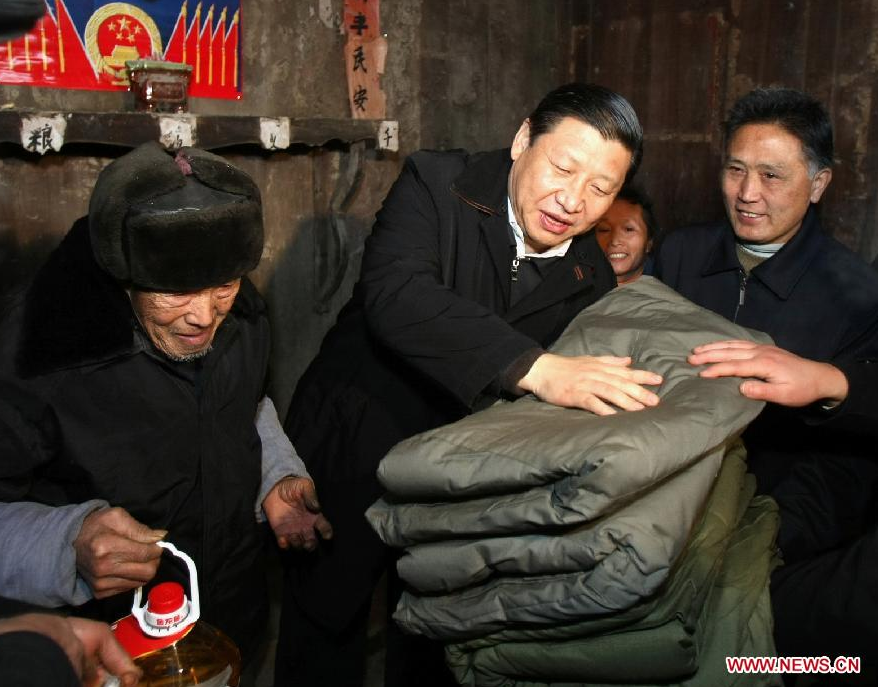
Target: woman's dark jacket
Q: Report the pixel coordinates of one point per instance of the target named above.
(91, 411)
(424, 339)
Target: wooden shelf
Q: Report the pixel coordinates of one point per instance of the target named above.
(41, 132)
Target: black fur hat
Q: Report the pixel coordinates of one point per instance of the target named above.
(175, 223)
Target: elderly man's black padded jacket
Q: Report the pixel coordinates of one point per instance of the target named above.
(88, 413)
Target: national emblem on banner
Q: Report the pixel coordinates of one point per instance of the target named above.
(116, 33)
(85, 43)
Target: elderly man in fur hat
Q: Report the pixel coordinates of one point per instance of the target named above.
(133, 403)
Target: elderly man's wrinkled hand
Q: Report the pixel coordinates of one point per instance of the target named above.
(115, 552)
(90, 646)
(779, 376)
(294, 514)
(600, 384)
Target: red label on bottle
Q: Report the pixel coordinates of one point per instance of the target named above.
(138, 644)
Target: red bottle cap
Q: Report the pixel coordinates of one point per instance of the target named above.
(166, 597)
(166, 607)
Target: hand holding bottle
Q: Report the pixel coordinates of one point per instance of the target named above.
(93, 652)
(115, 552)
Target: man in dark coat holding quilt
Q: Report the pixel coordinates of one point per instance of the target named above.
(771, 267)
(475, 265)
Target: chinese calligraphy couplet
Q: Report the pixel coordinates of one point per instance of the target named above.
(365, 53)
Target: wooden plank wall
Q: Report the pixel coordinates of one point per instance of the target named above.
(485, 64)
(682, 63)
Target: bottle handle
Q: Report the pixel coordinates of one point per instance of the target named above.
(192, 607)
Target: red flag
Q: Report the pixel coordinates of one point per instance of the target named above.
(15, 65)
(74, 64)
(218, 52)
(231, 52)
(46, 64)
(202, 56)
(175, 51)
(26, 59)
(191, 47)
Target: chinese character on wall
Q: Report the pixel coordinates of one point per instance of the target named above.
(365, 52)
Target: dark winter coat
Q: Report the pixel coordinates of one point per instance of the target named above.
(814, 297)
(426, 335)
(819, 300)
(89, 412)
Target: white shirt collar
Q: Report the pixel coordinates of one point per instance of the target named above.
(761, 250)
(520, 250)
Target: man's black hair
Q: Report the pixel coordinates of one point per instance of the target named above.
(637, 196)
(795, 112)
(599, 107)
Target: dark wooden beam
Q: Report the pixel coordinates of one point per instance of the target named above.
(130, 129)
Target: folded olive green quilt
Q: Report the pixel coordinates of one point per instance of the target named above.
(529, 516)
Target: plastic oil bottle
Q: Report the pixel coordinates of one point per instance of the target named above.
(170, 644)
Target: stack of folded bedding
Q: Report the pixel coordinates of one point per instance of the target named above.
(714, 604)
(539, 541)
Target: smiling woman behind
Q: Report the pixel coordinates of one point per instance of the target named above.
(627, 232)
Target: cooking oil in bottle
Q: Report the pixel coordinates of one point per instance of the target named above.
(171, 645)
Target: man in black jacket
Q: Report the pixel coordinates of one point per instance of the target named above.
(133, 402)
(475, 265)
(771, 267)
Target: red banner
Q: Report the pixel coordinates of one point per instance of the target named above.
(85, 43)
